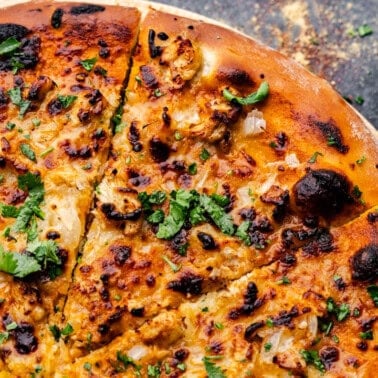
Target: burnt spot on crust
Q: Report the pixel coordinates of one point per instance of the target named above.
(86, 9)
(250, 331)
(154, 50)
(280, 143)
(159, 150)
(148, 77)
(109, 210)
(372, 217)
(56, 18)
(364, 263)
(188, 283)
(234, 76)
(53, 235)
(331, 133)
(322, 242)
(280, 198)
(38, 90)
(207, 241)
(323, 192)
(25, 341)
(136, 179)
(4, 99)
(76, 153)
(285, 317)
(162, 36)
(134, 136)
(121, 253)
(12, 30)
(137, 312)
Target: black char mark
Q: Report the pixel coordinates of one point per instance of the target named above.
(56, 18)
(121, 253)
(188, 283)
(285, 317)
(250, 331)
(322, 192)
(332, 133)
(364, 263)
(159, 150)
(25, 341)
(155, 51)
(12, 30)
(280, 198)
(207, 241)
(148, 77)
(251, 302)
(134, 136)
(111, 213)
(328, 355)
(234, 76)
(86, 9)
(76, 153)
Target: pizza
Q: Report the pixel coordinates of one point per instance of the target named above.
(178, 200)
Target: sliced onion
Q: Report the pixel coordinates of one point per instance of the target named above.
(254, 123)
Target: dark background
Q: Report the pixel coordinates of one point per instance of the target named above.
(316, 33)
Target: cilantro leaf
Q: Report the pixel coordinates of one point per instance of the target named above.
(260, 95)
(205, 154)
(28, 152)
(242, 233)
(341, 312)
(67, 330)
(18, 264)
(44, 251)
(67, 101)
(373, 292)
(212, 370)
(54, 329)
(173, 221)
(29, 181)
(9, 45)
(9, 211)
(157, 197)
(217, 214)
(153, 371)
(312, 357)
(3, 337)
(156, 217)
(175, 268)
(197, 215)
(16, 98)
(88, 64)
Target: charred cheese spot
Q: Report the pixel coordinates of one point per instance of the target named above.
(322, 192)
(234, 76)
(56, 18)
(111, 213)
(84, 152)
(86, 9)
(188, 283)
(39, 89)
(364, 263)
(159, 150)
(250, 331)
(154, 50)
(148, 77)
(12, 30)
(25, 341)
(121, 253)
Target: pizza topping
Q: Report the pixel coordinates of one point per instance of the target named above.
(86, 9)
(148, 77)
(260, 95)
(153, 49)
(134, 136)
(39, 89)
(207, 241)
(372, 217)
(331, 133)
(322, 192)
(159, 150)
(57, 105)
(25, 341)
(121, 253)
(112, 214)
(12, 30)
(16, 98)
(56, 18)
(76, 153)
(188, 283)
(280, 143)
(278, 197)
(328, 355)
(254, 123)
(364, 263)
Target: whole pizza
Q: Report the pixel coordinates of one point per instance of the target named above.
(178, 200)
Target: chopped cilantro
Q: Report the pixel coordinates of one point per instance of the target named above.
(205, 154)
(16, 65)
(212, 370)
(273, 144)
(336, 339)
(373, 292)
(341, 312)
(267, 347)
(67, 101)
(18, 264)
(88, 64)
(220, 200)
(269, 322)
(364, 30)
(10, 126)
(87, 366)
(11, 326)
(9, 45)
(54, 329)
(16, 98)
(242, 232)
(260, 95)
(153, 371)
(3, 337)
(368, 335)
(28, 152)
(192, 169)
(67, 330)
(361, 160)
(181, 366)
(117, 120)
(9, 211)
(284, 281)
(356, 192)
(156, 217)
(331, 141)
(313, 158)
(167, 368)
(219, 326)
(182, 249)
(205, 309)
(175, 268)
(36, 122)
(128, 361)
(356, 312)
(46, 152)
(157, 197)
(158, 93)
(312, 358)
(138, 79)
(178, 135)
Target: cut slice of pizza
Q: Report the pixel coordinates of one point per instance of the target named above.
(311, 313)
(209, 163)
(62, 69)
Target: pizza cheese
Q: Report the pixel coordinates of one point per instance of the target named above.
(178, 200)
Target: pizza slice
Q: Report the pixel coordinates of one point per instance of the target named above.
(62, 68)
(284, 319)
(209, 163)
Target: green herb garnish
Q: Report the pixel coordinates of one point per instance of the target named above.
(88, 64)
(175, 268)
(67, 101)
(313, 158)
(9, 45)
(312, 358)
(260, 95)
(28, 152)
(212, 370)
(373, 292)
(205, 154)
